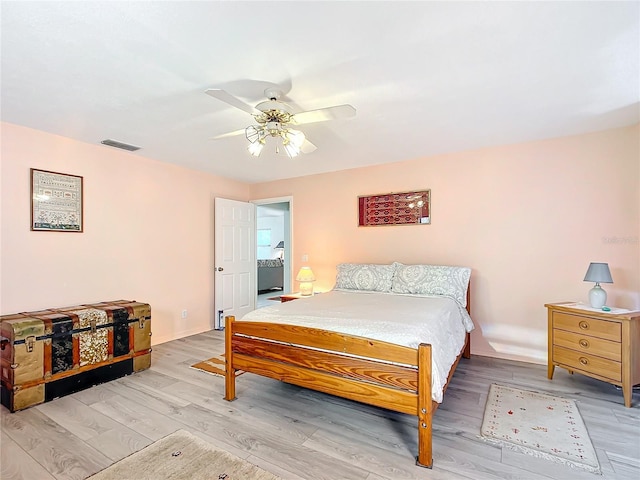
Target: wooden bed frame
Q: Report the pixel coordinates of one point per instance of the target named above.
(324, 361)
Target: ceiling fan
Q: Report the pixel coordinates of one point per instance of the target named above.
(274, 119)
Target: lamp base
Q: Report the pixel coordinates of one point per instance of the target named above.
(306, 289)
(597, 297)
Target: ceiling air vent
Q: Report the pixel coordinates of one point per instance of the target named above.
(123, 146)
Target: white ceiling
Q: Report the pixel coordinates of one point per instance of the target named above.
(425, 77)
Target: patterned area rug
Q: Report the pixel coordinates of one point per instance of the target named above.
(182, 456)
(540, 425)
(214, 366)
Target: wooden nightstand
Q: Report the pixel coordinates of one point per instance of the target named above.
(292, 296)
(601, 345)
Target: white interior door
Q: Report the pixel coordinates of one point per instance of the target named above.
(235, 259)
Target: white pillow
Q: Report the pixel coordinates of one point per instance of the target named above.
(432, 280)
(367, 277)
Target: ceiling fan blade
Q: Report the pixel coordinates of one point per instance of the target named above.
(307, 147)
(324, 114)
(231, 100)
(229, 134)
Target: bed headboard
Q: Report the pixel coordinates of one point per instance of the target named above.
(417, 279)
(270, 262)
(469, 297)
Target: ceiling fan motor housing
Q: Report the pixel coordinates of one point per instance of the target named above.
(273, 112)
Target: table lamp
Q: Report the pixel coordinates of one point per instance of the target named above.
(306, 279)
(280, 246)
(599, 273)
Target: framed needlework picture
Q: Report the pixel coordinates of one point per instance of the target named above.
(56, 202)
(406, 208)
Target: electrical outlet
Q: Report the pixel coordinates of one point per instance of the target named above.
(305, 258)
(184, 314)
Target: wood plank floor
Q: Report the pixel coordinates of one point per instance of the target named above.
(300, 434)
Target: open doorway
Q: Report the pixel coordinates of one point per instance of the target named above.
(273, 249)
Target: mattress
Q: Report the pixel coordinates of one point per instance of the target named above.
(406, 320)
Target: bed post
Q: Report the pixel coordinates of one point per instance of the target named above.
(425, 408)
(230, 373)
(466, 352)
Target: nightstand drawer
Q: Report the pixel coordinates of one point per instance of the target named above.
(588, 326)
(588, 363)
(586, 344)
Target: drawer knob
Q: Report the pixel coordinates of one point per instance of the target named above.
(584, 361)
(584, 343)
(583, 325)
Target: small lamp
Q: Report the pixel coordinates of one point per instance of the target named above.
(280, 246)
(599, 273)
(306, 279)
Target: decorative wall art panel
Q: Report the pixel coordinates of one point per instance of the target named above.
(56, 202)
(406, 208)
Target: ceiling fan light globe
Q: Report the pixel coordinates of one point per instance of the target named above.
(254, 133)
(295, 137)
(291, 149)
(255, 148)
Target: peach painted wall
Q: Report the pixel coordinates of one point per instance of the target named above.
(148, 233)
(527, 219)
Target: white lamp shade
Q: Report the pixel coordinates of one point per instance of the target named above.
(305, 275)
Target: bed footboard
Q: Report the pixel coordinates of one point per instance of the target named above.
(369, 371)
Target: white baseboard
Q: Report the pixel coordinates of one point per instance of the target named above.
(187, 333)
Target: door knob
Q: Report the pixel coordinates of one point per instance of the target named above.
(219, 269)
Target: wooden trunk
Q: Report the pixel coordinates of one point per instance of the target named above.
(50, 353)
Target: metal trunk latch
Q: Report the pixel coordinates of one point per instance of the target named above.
(30, 342)
(92, 322)
(141, 322)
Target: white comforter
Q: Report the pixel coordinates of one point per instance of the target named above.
(401, 319)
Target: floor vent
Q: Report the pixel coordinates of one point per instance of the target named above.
(123, 146)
